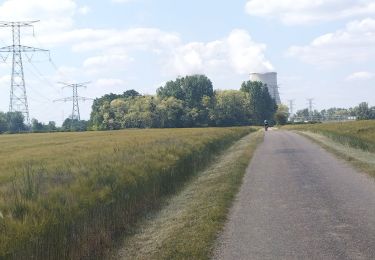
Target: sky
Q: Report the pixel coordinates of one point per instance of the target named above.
(323, 50)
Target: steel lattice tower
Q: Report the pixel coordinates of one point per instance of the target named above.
(311, 100)
(75, 98)
(18, 98)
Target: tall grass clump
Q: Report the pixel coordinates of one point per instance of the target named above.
(356, 134)
(78, 191)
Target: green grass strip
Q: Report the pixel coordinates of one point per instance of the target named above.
(189, 223)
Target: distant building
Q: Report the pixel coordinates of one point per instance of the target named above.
(269, 79)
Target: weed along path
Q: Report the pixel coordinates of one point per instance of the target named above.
(300, 202)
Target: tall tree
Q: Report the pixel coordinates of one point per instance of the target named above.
(37, 126)
(190, 89)
(363, 112)
(3, 122)
(172, 89)
(231, 108)
(16, 122)
(195, 88)
(262, 105)
(282, 114)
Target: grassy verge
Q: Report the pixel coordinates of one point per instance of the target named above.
(363, 160)
(356, 134)
(79, 190)
(189, 223)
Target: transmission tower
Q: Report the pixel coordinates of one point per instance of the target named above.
(18, 97)
(75, 98)
(291, 106)
(310, 100)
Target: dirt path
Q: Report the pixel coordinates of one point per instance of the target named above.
(300, 202)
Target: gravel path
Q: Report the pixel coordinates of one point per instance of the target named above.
(300, 202)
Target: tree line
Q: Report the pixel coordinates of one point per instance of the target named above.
(361, 112)
(14, 122)
(187, 101)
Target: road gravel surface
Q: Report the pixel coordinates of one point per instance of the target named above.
(300, 202)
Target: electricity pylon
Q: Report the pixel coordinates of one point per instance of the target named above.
(75, 98)
(18, 97)
(311, 104)
(291, 108)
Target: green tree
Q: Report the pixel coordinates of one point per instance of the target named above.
(190, 89)
(75, 125)
(282, 114)
(169, 113)
(37, 126)
(172, 89)
(101, 118)
(363, 112)
(196, 91)
(303, 113)
(130, 94)
(16, 122)
(262, 105)
(51, 126)
(231, 108)
(3, 122)
(195, 88)
(372, 113)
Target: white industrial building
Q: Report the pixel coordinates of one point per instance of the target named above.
(269, 79)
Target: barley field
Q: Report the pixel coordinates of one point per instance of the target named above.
(357, 134)
(70, 195)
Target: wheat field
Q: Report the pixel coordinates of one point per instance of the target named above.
(69, 195)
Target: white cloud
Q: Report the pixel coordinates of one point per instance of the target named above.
(31, 9)
(84, 10)
(361, 75)
(54, 14)
(110, 51)
(245, 54)
(105, 60)
(4, 80)
(103, 63)
(236, 53)
(309, 11)
(134, 38)
(109, 82)
(354, 43)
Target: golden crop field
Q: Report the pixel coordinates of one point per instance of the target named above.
(67, 195)
(358, 134)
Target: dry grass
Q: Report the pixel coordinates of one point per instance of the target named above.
(67, 195)
(357, 134)
(187, 226)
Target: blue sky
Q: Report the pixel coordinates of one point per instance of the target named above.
(320, 49)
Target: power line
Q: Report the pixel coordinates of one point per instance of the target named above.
(42, 77)
(18, 98)
(74, 98)
(50, 60)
